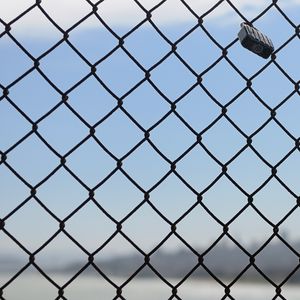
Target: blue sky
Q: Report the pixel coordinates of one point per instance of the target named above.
(63, 130)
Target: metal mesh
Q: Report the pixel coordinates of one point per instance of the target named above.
(199, 195)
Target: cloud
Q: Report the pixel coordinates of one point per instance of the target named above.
(119, 12)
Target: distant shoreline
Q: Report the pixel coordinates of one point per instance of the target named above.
(224, 261)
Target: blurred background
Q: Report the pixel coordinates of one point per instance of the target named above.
(57, 86)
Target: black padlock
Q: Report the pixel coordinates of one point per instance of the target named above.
(255, 41)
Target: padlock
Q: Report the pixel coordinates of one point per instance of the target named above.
(255, 41)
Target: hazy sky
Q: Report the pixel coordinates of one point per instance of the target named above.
(125, 12)
(63, 130)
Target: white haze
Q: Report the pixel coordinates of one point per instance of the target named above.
(122, 12)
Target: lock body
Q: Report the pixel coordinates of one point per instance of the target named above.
(255, 41)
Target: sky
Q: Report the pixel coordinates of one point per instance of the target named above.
(32, 226)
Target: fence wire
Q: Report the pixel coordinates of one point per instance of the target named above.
(199, 195)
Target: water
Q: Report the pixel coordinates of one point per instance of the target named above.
(35, 287)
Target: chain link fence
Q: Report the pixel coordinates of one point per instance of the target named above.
(248, 198)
